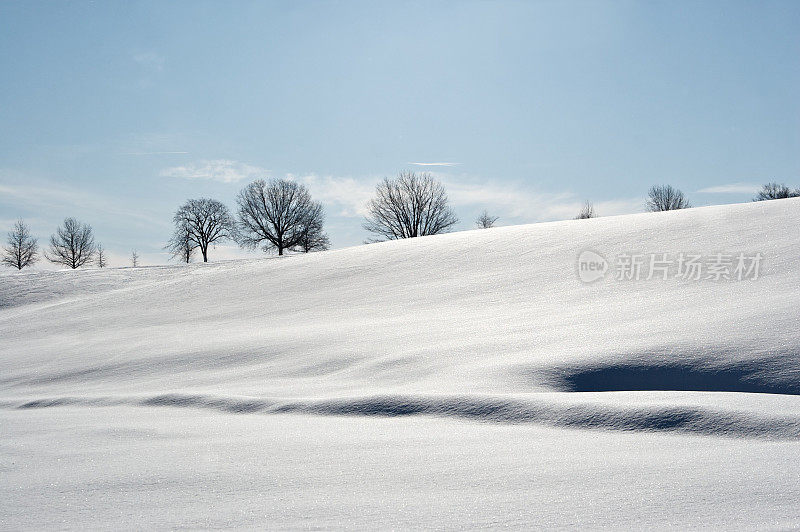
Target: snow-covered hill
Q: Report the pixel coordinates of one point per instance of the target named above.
(483, 342)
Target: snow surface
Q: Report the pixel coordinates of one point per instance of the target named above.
(468, 379)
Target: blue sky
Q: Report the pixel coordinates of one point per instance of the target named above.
(116, 112)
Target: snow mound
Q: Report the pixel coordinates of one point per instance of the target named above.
(488, 325)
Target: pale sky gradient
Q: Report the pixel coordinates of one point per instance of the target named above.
(116, 112)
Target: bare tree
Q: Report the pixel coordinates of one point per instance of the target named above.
(198, 224)
(134, 259)
(22, 249)
(587, 211)
(314, 239)
(772, 191)
(665, 198)
(101, 256)
(485, 221)
(279, 214)
(72, 245)
(409, 206)
(180, 246)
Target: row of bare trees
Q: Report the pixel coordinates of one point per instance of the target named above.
(281, 215)
(668, 198)
(278, 214)
(659, 198)
(72, 245)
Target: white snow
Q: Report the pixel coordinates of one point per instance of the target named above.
(468, 379)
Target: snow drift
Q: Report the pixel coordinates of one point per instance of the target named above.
(490, 325)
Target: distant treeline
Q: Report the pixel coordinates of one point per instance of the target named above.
(280, 215)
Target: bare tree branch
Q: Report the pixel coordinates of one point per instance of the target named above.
(101, 256)
(587, 211)
(409, 206)
(772, 191)
(485, 221)
(198, 224)
(281, 215)
(22, 249)
(72, 245)
(314, 238)
(666, 198)
(180, 246)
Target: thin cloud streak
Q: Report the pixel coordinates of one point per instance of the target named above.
(223, 170)
(348, 197)
(436, 164)
(158, 153)
(52, 197)
(732, 188)
(519, 204)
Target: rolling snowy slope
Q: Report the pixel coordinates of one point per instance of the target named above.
(515, 390)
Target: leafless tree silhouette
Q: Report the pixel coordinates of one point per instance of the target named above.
(180, 246)
(587, 211)
(665, 198)
(101, 256)
(134, 259)
(198, 224)
(279, 214)
(314, 238)
(22, 249)
(772, 191)
(409, 206)
(485, 221)
(72, 245)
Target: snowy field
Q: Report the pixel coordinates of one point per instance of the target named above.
(462, 380)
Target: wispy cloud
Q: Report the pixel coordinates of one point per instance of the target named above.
(513, 202)
(223, 170)
(519, 203)
(154, 144)
(347, 195)
(732, 188)
(435, 164)
(151, 60)
(157, 153)
(51, 197)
